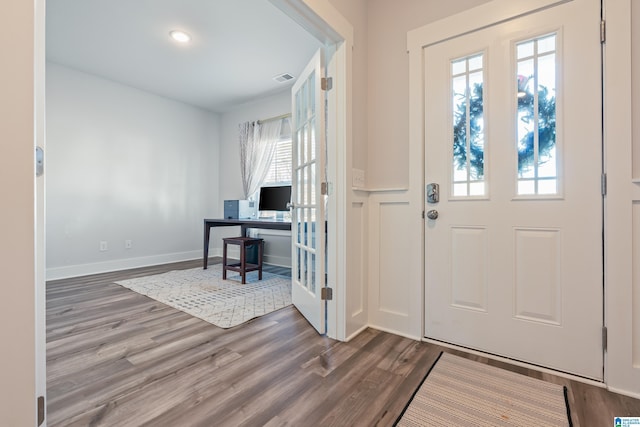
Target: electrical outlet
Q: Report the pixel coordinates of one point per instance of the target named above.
(103, 246)
(128, 244)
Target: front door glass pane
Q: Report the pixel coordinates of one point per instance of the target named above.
(536, 116)
(467, 78)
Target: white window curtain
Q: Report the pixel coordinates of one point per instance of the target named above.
(257, 147)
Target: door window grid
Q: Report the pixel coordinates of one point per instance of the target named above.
(468, 133)
(536, 116)
(304, 173)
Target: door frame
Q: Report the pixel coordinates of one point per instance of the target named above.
(466, 22)
(21, 130)
(621, 376)
(25, 252)
(325, 23)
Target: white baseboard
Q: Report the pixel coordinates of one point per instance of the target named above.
(624, 392)
(66, 272)
(394, 332)
(357, 332)
(279, 261)
(121, 264)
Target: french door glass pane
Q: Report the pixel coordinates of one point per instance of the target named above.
(304, 278)
(304, 228)
(312, 281)
(298, 148)
(299, 181)
(305, 145)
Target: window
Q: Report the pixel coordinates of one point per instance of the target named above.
(280, 169)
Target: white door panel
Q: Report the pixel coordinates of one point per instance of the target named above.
(308, 224)
(513, 263)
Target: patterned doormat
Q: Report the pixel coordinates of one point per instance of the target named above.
(461, 392)
(203, 293)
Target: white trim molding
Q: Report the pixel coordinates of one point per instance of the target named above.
(325, 22)
(493, 13)
(622, 286)
(622, 360)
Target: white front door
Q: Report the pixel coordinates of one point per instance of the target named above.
(513, 261)
(308, 216)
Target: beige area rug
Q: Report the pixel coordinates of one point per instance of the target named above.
(203, 293)
(461, 392)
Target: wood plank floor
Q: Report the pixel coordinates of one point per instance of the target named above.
(117, 358)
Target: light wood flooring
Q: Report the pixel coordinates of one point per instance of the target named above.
(117, 358)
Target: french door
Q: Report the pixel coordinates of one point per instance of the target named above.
(513, 235)
(308, 208)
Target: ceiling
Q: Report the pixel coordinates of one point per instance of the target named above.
(236, 48)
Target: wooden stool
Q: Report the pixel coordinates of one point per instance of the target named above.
(243, 266)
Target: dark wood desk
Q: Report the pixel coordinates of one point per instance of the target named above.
(244, 225)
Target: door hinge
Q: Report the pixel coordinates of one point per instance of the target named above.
(603, 184)
(603, 31)
(604, 338)
(40, 410)
(325, 188)
(326, 294)
(326, 83)
(422, 214)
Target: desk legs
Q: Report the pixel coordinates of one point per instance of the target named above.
(207, 232)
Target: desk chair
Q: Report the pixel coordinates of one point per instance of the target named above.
(243, 266)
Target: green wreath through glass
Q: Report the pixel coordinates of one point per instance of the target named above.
(546, 129)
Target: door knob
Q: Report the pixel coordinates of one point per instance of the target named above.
(432, 214)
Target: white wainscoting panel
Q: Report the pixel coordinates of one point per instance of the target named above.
(395, 239)
(393, 231)
(357, 304)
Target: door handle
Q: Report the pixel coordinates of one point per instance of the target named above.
(433, 193)
(432, 214)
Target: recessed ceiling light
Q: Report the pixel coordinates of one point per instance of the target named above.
(180, 36)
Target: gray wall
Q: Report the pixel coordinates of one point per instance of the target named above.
(123, 164)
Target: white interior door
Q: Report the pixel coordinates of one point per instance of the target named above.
(513, 138)
(308, 224)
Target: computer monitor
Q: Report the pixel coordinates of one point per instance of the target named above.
(275, 198)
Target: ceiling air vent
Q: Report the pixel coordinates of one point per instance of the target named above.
(281, 78)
